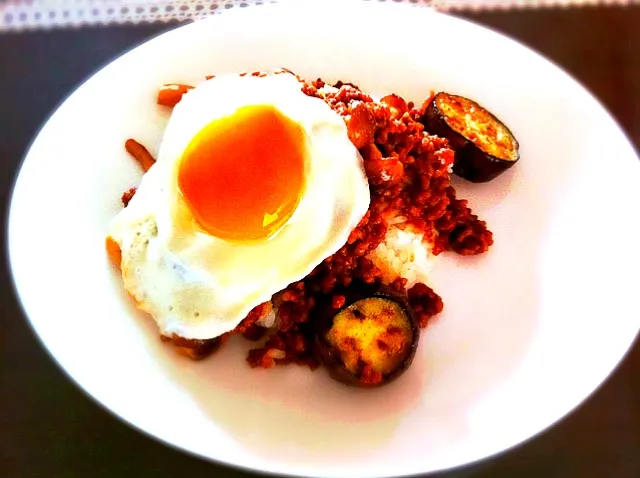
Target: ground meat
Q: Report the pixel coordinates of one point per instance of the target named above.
(249, 328)
(409, 175)
(408, 171)
(424, 302)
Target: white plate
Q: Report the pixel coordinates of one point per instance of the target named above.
(529, 329)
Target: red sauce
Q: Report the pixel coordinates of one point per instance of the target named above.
(408, 172)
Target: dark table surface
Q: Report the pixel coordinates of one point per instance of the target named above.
(49, 428)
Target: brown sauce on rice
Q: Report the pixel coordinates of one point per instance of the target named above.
(408, 172)
(409, 176)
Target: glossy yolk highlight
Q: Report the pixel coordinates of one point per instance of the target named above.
(243, 175)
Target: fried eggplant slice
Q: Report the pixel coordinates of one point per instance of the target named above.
(484, 147)
(370, 341)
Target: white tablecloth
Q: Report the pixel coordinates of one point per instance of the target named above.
(28, 14)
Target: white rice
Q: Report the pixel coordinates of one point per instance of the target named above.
(404, 254)
(269, 319)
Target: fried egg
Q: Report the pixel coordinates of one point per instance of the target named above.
(255, 184)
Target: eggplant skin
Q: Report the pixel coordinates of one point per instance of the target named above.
(484, 147)
(356, 371)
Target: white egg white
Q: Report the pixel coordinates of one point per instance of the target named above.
(198, 286)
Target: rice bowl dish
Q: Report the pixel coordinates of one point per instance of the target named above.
(276, 203)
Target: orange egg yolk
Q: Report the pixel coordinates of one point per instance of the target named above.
(242, 176)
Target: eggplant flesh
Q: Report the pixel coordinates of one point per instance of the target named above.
(370, 341)
(484, 147)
